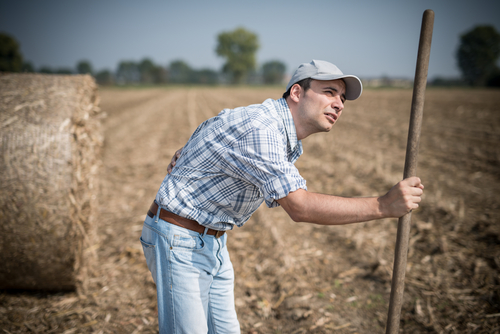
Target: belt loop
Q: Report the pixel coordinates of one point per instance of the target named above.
(157, 212)
(204, 232)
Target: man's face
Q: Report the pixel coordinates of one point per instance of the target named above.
(321, 105)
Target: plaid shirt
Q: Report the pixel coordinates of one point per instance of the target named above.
(232, 163)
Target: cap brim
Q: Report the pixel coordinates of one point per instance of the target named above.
(353, 84)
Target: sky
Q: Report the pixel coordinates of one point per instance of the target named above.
(365, 38)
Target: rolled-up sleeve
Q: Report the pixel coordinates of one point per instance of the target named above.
(260, 158)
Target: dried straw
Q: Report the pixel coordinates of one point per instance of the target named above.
(50, 144)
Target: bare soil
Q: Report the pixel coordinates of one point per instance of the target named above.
(303, 278)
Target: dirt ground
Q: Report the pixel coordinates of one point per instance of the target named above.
(302, 278)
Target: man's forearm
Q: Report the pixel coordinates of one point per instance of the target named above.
(303, 206)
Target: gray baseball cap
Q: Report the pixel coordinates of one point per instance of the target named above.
(323, 70)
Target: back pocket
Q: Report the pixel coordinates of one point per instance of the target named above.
(150, 254)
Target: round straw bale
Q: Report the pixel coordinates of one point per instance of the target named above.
(50, 140)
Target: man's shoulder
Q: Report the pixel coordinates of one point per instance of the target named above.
(269, 106)
(266, 115)
(262, 116)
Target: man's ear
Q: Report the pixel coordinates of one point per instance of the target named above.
(295, 92)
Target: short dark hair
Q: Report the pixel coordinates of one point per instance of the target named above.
(304, 83)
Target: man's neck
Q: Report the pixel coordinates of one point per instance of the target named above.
(292, 105)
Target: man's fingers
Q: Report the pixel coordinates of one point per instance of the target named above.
(176, 156)
(412, 186)
(416, 191)
(170, 166)
(414, 182)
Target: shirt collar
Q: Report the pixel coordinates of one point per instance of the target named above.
(291, 132)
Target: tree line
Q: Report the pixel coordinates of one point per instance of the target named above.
(477, 57)
(238, 47)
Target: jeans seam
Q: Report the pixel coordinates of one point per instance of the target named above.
(174, 327)
(170, 287)
(210, 314)
(155, 230)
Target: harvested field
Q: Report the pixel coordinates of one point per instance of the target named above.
(302, 278)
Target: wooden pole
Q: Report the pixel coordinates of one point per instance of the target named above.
(417, 106)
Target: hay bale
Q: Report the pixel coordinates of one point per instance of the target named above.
(50, 139)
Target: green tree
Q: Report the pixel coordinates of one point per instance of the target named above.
(159, 74)
(46, 70)
(273, 72)
(64, 70)
(147, 68)
(477, 54)
(238, 47)
(494, 79)
(104, 77)
(128, 73)
(49, 70)
(11, 59)
(205, 76)
(179, 72)
(84, 67)
(152, 73)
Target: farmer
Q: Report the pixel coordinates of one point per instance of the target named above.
(231, 164)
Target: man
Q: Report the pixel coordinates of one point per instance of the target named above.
(231, 164)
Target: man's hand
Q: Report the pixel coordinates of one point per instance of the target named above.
(402, 198)
(176, 156)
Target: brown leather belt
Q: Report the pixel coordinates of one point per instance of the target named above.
(172, 218)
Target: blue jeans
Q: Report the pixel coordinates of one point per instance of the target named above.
(194, 279)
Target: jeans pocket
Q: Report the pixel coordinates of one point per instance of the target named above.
(150, 254)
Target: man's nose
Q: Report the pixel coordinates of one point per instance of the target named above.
(337, 104)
